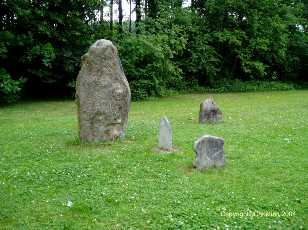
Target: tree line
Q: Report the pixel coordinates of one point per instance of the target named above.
(168, 47)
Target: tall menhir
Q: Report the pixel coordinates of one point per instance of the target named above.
(103, 94)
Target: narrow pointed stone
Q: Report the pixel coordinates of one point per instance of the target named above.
(165, 134)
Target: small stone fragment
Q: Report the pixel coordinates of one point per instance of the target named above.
(209, 152)
(209, 112)
(165, 134)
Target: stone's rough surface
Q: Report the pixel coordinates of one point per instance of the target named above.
(209, 112)
(209, 152)
(165, 134)
(102, 93)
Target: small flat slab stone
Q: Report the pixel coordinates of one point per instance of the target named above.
(103, 94)
(165, 134)
(209, 112)
(209, 152)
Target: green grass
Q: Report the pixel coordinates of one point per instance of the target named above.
(126, 185)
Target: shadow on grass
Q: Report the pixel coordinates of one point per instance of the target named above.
(77, 143)
(189, 170)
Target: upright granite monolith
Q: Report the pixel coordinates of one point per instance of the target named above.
(165, 134)
(209, 112)
(209, 152)
(102, 93)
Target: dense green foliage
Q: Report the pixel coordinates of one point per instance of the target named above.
(9, 88)
(169, 48)
(236, 85)
(148, 66)
(127, 185)
(42, 41)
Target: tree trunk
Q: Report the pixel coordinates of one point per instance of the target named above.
(130, 16)
(120, 16)
(138, 15)
(101, 18)
(111, 15)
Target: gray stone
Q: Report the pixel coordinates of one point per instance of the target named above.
(102, 93)
(165, 134)
(209, 152)
(209, 112)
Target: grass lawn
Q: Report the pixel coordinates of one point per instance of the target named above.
(49, 180)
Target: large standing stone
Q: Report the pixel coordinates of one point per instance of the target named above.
(209, 112)
(103, 94)
(165, 134)
(209, 152)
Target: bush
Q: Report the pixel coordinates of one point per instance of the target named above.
(45, 39)
(250, 86)
(147, 63)
(9, 89)
(227, 85)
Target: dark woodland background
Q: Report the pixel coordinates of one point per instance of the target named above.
(218, 45)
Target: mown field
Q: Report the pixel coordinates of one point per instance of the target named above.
(48, 180)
